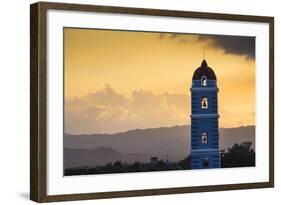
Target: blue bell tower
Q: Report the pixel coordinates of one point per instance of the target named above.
(204, 119)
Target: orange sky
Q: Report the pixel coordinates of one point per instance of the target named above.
(119, 80)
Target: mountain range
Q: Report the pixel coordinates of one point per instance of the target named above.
(167, 143)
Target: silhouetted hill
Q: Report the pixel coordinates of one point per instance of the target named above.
(98, 156)
(230, 136)
(171, 143)
(155, 140)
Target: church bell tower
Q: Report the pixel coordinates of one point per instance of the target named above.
(204, 119)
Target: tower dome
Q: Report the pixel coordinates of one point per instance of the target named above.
(204, 70)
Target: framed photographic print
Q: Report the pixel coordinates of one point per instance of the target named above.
(134, 102)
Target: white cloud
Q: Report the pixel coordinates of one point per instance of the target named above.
(107, 111)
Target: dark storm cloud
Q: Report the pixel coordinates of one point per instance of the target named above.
(171, 35)
(238, 45)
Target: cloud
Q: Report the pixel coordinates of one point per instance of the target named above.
(237, 45)
(107, 111)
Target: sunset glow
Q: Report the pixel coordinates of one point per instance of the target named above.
(119, 80)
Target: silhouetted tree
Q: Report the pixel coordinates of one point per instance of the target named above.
(239, 155)
(185, 163)
(118, 163)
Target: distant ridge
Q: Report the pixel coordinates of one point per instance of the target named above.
(172, 143)
(98, 156)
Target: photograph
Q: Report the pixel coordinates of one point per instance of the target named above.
(130, 101)
(146, 101)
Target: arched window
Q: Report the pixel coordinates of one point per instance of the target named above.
(204, 138)
(205, 162)
(203, 81)
(204, 103)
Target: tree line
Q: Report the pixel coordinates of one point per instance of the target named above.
(239, 155)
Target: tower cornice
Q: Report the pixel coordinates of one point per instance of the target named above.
(204, 89)
(204, 115)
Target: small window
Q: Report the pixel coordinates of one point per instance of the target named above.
(203, 81)
(204, 138)
(205, 163)
(204, 103)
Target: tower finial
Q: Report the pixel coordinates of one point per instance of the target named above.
(204, 63)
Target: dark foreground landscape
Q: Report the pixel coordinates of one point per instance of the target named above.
(150, 150)
(239, 155)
